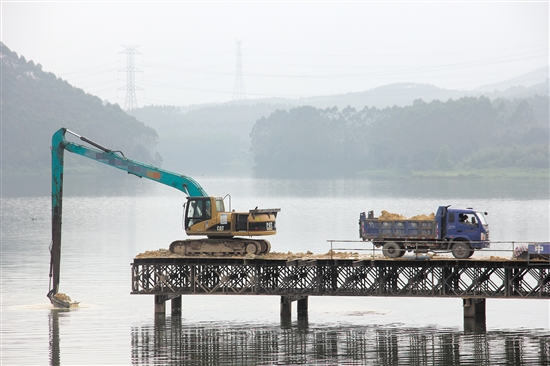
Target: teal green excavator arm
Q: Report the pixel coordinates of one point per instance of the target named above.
(103, 155)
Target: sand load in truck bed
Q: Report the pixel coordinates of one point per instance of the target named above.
(393, 216)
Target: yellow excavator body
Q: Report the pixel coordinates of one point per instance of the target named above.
(206, 216)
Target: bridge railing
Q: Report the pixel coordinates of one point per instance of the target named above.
(499, 249)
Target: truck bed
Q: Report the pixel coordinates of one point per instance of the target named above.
(398, 229)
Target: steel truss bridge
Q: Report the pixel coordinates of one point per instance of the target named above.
(472, 280)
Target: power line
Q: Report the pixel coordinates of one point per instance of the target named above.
(87, 70)
(369, 70)
(238, 88)
(90, 75)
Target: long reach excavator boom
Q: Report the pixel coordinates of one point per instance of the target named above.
(204, 215)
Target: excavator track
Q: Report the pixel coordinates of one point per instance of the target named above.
(220, 247)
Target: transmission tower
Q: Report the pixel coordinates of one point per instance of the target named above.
(238, 89)
(131, 100)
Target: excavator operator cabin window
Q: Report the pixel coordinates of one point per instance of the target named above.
(208, 210)
(197, 211)
(219, 205)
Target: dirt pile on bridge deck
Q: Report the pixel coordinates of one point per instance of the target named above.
(310, 255)
(161, 253)
(164, 253)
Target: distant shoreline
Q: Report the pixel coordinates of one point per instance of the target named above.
(509, 173)
(488, 173)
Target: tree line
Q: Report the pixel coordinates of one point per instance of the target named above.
(467, 133)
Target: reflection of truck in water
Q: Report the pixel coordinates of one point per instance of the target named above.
(458, 230)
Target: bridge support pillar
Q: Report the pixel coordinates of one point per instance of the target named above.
(286, 312)
(474, 315)
(286, 307)
(302, 307)
(160, 304)
(176, 306)
(474, 308)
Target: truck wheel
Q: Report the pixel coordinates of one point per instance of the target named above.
(392, 250)
(461, 250)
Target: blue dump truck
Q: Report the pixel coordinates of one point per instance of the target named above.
(459, 230)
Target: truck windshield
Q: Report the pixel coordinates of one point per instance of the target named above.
(481, 218)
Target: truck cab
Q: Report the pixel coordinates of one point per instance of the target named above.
(463, 224)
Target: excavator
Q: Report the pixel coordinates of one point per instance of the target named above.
(228, 233)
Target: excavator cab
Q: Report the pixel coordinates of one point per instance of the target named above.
(198, 209)
(205, 214)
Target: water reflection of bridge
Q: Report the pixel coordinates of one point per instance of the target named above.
(170, 341)
(472, 280)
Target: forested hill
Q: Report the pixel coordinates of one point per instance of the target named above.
(468, 134)
(207, 140)
(403, 94)
(36, 103)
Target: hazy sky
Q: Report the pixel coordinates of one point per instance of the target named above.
(290, 49)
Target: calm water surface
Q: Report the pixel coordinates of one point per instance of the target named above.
(106, 223)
